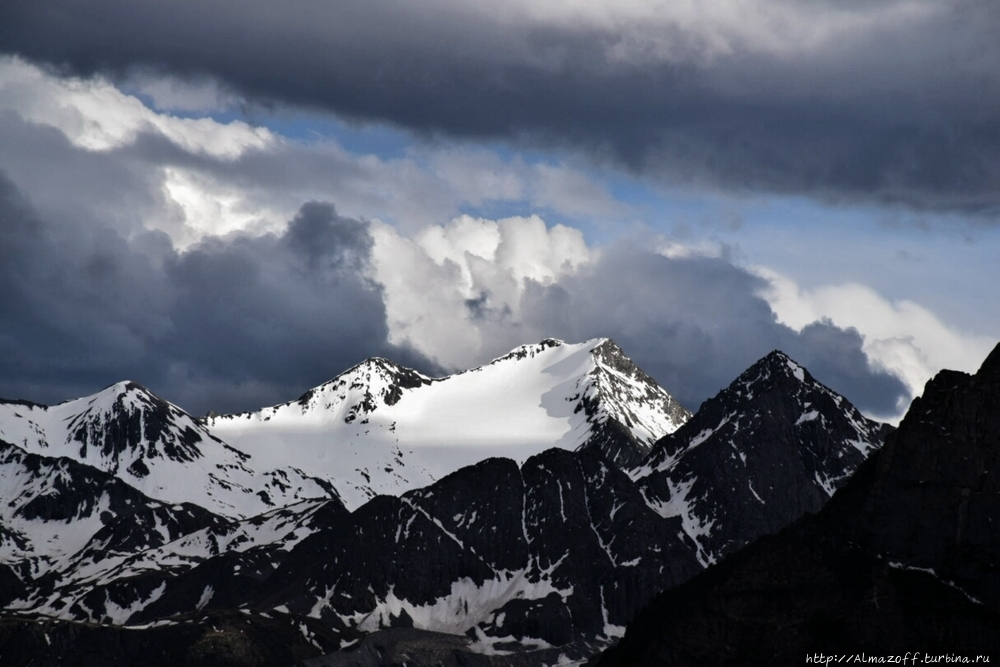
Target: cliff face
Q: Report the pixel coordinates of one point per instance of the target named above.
(906, 557)
(935, 501)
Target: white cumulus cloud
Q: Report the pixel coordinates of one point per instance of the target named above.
(95, 115)
(902, 336)
(454, 291)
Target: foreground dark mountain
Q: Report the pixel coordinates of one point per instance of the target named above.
(906, 557)
(549, 560)
(225, 639)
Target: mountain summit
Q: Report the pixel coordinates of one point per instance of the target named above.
(379, 428)
(155, 447)
(772, 446)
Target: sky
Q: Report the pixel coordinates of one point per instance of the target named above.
(231, 202)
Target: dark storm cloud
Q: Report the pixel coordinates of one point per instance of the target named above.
(696, 323)
(276, 306)
(904, 111)
(327, 247)
(226, 325)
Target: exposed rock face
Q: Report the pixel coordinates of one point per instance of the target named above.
(935, 502)
(904, 558)
(627, 408)
(57, 511)
(560, 549)
(134, 415)
(769, 448)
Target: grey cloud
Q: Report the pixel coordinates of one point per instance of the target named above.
(294, 308)
(226, 325)
(695, 323)
(900, 114)
(116, 189)
(327, 242)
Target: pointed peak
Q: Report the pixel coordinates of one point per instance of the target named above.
(529, 350)
(370, 373)
(777, 363)
(125, 387)
(118, 392)
(774, 370)
(775, 357)
(605, 345)
(606, 352)
(376, 364)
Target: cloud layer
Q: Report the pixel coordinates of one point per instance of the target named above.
(195, 257)
(224, 325)
(692, 321)
(886, 101)
(236, 323)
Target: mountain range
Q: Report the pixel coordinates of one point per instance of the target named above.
(523, 512)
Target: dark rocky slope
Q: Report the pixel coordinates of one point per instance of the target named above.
(906, 557)
(217, 639)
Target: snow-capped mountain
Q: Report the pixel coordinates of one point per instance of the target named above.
(772, 446)
(157, 449)
(103, 487)
(377, 428)
(380, 428)
(549, 552)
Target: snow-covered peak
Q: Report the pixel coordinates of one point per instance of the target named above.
(529, 351)
(602, 382)
(123, 393)
(355, 393)
(375, 381)
(377, 428)
(156, 448)
(125, 425)
(632, 397)
(383, 428)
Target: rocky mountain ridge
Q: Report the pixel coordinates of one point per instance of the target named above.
(397, 430)
(546, 560)
(902, 560)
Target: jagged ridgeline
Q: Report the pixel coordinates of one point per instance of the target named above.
(903, 561)
(523, 512)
